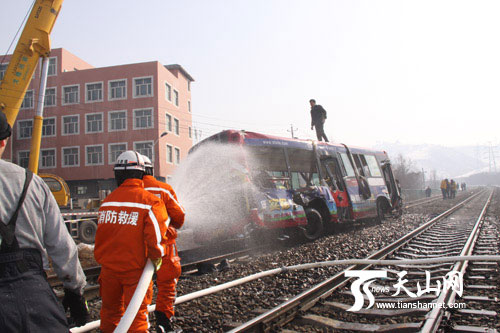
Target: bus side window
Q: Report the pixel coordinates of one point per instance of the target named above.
(359, 166)
(347, 165)
(364, 165)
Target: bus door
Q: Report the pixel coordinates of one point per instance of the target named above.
(333, 177)
(394, 190)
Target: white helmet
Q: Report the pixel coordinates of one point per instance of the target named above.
(130, 160)
(147, 161)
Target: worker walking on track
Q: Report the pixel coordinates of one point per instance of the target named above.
(31, 229)
(132, 227)
(167, 276)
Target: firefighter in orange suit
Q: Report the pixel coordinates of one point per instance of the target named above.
(166, 277)
(132, 227)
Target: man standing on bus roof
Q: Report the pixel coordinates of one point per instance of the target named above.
(318, 117)
(31, 230)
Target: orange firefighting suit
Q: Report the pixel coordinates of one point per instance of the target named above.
(132, 226)
(166, 277)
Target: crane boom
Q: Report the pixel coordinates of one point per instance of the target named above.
(33, 44)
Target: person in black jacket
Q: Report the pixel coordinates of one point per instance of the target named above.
(318, 116)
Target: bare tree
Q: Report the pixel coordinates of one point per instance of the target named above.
(404, 172)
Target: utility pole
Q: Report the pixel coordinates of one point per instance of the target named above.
(291, 130)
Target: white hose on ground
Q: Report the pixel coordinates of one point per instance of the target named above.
(385, 262)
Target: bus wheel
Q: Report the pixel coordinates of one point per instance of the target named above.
(314, 228)
(380, 212)
(86, 231)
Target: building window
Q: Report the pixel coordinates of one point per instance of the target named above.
(23, 158)
(176, 126)
(28, 100)
(3, 69)
(48, 158)
(49, 127)
(176, 97)
(144, 148)
(168, 122)
(143, 118)
(115, 149)
(117, 121)
(143, 87)
(94, 155)
(189, 106)
(70, 156)
(117, 89)
(24, 129)
(71, 94)
(94, 92)
(50, 97)
(177, 156)
(170, 158)
(81, 189)
(93, 123)
(70, 125)
(190, 132)
(168, 92)
(189, 85)
(52, 67)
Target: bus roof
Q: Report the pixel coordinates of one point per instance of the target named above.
(254, 138)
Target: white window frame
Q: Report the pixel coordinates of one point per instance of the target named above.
(86, 155)
(86, 122)
(41, 166)
(177, 130)
(176, 100)
(168, 92)
(32, 100)
(87, 91)
(171, 122)
(175, 159)
(77, 126)
(55, 67)
(63, 163)
(152, 118)
(109, 150)
(45, 98)
(63, 95)
(110, 121)
(19, 152)
(152, 148)
(6, 64)
(172, 156)
(110, 89)
(55, 127)
(134, 87)
(19, 129)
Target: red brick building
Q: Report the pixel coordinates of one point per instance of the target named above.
(91, 115)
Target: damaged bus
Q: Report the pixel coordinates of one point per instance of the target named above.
(294, 184)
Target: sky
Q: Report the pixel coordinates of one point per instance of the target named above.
(414, 72)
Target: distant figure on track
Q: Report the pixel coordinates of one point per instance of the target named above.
(444, 188)
(32, 229)
(428, 192)
(318, 117)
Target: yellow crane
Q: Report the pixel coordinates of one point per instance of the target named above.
(33, 45)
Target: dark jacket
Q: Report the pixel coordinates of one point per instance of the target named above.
(318, 115)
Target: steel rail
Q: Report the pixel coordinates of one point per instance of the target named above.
(447, 296)
(288, 310)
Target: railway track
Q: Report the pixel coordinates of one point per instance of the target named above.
(323, 307)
